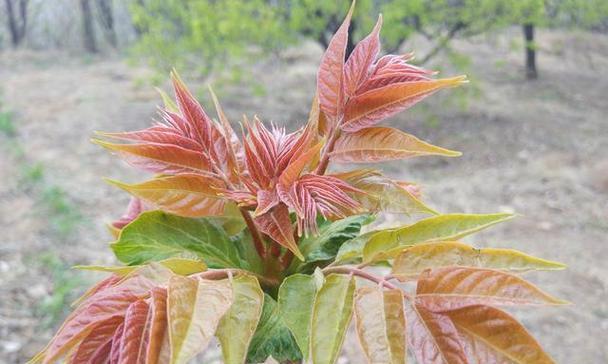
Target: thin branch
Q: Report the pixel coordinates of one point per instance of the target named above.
(360, 273)
(331, 143)
(255, 233)
(443, 42)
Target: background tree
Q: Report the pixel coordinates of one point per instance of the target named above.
(88, 30)
(16, 12)
(105, 13)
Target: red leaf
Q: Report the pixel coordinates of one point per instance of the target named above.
(371, 107)
(156, 326)
(313, 193)
(450, 288)
(131, 340)
(330, 78)
(490, 335)
(357, 67)
(433, 337)
(276, 224)
(160, 158)
(97, 344)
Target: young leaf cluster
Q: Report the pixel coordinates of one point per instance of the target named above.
(249, 239)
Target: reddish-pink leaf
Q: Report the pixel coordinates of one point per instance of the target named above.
(276, 224)
(312, 194)
(159, 158)
(330, 78)
(194, 113)
(433, 338)
(114, 356)
(370, 108)
(97, 343)
(156, 328)
(490, 335)
(450, 288)
(131, 340)
(357, 67)
(296, 167)
(378, 144)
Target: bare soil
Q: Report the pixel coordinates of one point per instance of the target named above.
(536, 148)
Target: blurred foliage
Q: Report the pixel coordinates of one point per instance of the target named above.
(203, 35)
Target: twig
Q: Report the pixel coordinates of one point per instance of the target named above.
(255, 233)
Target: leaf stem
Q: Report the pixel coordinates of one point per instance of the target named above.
(363, 274)
(331, 143)
(255, 233)
(226, 273)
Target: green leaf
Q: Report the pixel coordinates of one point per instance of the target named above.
(244, 243)
(331, 315)
(194, 309)
(351, 250)
(156, 235)
(412, 261)
(272, 337)
(388, 243)
(332, 235)
(296, 298)
(181, 266)
(239, 324)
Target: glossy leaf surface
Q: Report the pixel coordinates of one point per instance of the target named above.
(156, 235)
(433, 338)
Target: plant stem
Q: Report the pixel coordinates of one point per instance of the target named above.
(226, 273)
(362, 274)
(255, 233)
(331, 143)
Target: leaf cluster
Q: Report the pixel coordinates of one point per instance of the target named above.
(252, 240)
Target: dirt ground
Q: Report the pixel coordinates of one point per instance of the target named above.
(536, 148)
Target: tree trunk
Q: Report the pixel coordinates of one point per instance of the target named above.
(106, 15)
(88, 32)
(531, 71)
(16, 26)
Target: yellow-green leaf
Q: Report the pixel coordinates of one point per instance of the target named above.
(380, 323)
(195, 307)
(189, 195)
(238, 325)
(450, 288)
(493, 336)
(331, 315)
(417, 258)
(181, 266)
(296, 298)
(376, 144)
(388, 243)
